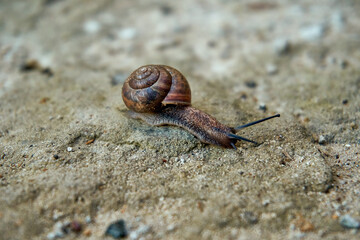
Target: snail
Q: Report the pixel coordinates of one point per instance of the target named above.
(160, 95)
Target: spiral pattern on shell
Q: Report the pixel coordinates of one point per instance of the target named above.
(152, 86)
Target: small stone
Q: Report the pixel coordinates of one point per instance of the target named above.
(250, 217)
(88, 219)
(337, 21)
(306, 119)
(56, 156)
(171, 228)
(51, 236)
(182, 160)
(50, 2)
(166, 10)
(92, 26)
(57, 214)
(271, 69)
(69, 149)
(262, 107)
(354, 126)
(292, 227)
(266, 202)
(313, 32)
(281, 46)
(322, 139)
(47, 71)
(127, 33)
(117, 79)
(134, 235)
(303, 224)
(140, 231)
(343, 63)
(117, 229)
(87, 232)
(30, 65)
(44, 100)
(349, 222)
(307, 227)
(75, 226)
(251, 84)
(58, 231)
(331, 60)
(64, 227)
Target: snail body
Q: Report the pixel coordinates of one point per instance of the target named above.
(160, 95)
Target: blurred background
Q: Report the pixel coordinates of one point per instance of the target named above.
(211, 38)
(62, 65)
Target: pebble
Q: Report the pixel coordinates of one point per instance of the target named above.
(57, 232)
(349, 222)
(75, 226)
(92, 26)
(250, 217)
(313, 32)
(30, 65)
(292, 227)
(166, 10)
(180, 160)
(343, 63)
(118, 79)
(88, 219)
(263, 107)
(87, 232)
(171, 228)
(266, 202)
(140, 231)
(69, 149)
(322, 139)
(117, 229)
(281, 46)
(354, 126)
(57, 214)
(53, 235)
(271, 69)
(337, 21)
(251, 84)
(127, 33)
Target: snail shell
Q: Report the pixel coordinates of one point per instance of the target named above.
(150, 87)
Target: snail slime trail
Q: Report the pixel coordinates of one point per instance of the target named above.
(160, 95)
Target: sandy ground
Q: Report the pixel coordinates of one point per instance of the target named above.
(68, 151)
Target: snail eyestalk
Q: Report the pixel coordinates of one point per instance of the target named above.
(234, 136)
(255, 122)
(233, 145)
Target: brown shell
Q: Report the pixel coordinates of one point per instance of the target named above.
(152, 86)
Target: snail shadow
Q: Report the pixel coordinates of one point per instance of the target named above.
(166, 140)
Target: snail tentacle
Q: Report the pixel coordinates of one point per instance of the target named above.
(255, 122)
